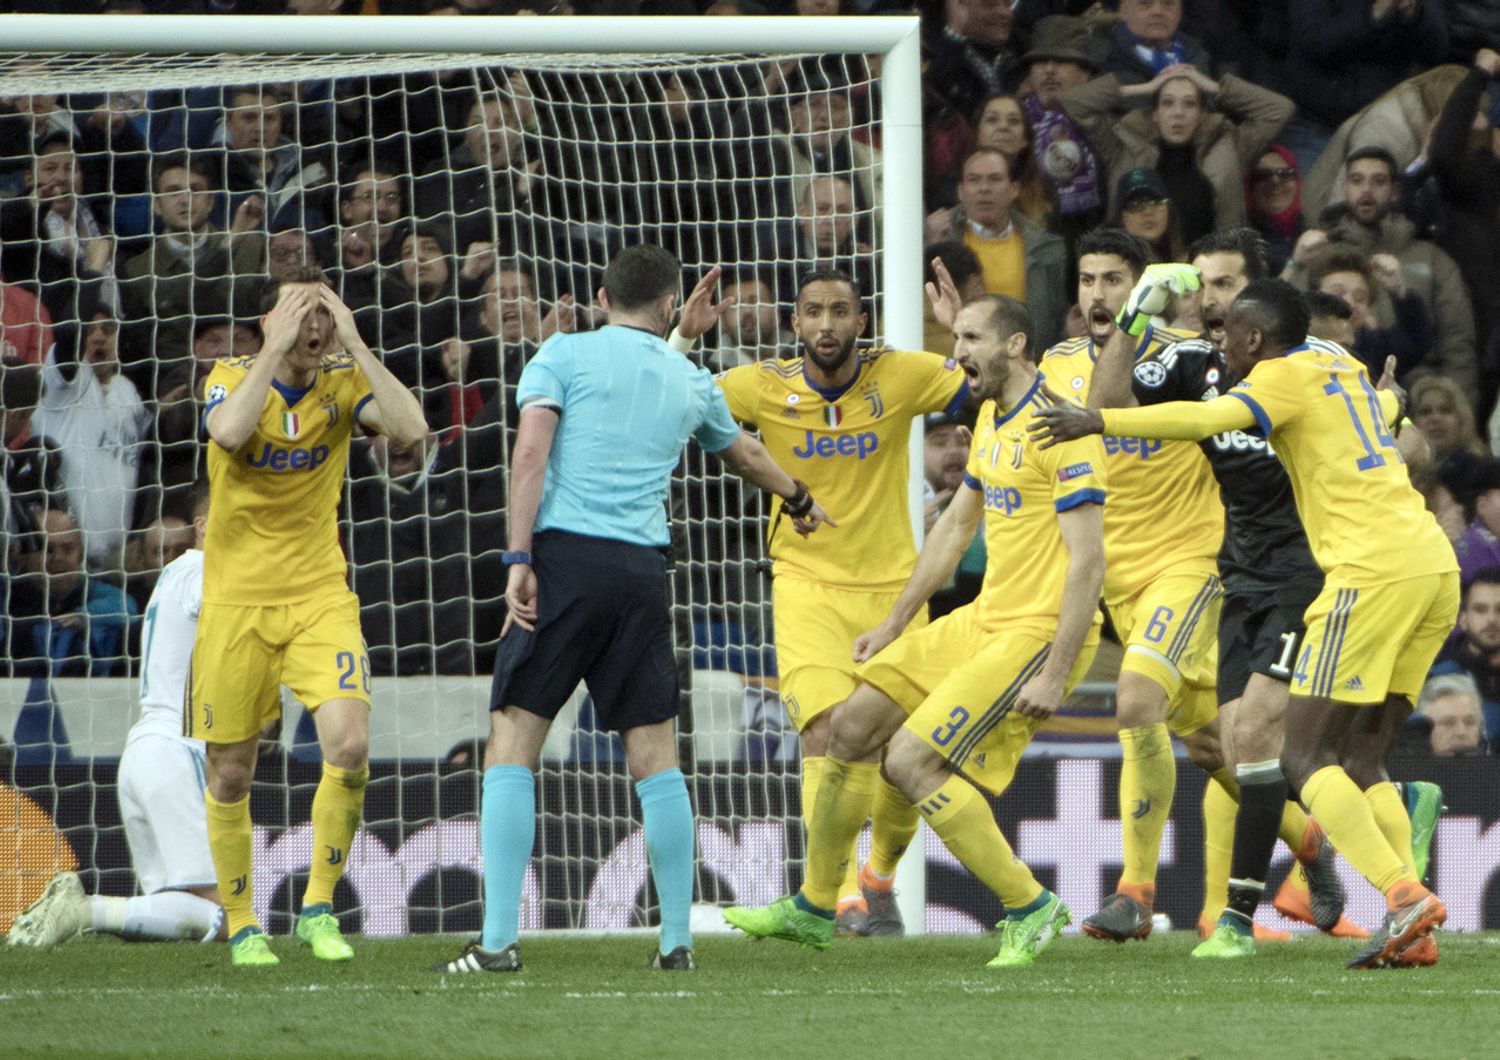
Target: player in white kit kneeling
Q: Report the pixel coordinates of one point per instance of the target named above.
(160, 785)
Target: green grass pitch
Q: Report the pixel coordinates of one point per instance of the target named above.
(870, 999)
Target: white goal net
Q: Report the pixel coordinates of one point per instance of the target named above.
(464, 205)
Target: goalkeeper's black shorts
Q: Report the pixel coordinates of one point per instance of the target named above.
(601, 618)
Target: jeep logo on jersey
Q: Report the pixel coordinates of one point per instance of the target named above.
(1151, 373)
(1239, 441)
(858, 445)
(1142, 447)
(1002, 499)
(278, 458)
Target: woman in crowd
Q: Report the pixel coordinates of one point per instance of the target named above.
(1145, 209)
(1273, 201)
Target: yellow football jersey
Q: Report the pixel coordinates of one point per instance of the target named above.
(1024, 488)
(1164, 505)
(850, 447)
(273, 535)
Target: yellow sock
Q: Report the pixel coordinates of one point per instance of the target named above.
(1345, 814)
(1219, 811)
(1295, 825)
(1148, 779)
(895, 824)
(335, 818)
(812, 780)
(963, 821)
(229, 842)
(1390, 817)
(843, 791)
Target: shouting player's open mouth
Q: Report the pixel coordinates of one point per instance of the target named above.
(1101, 323)
(1213, 328)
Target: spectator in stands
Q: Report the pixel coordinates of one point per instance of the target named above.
(111, 144)
(1480, 545)
(822, 235)
(419, 309)
(1273, 203)
(164, 539)
(372, 211)
(1476, 652)
(1466, 164)
(262, 162)
(751, 326)
(52, 240)
(1002, 123)
(1056, 63)
(970, 55)
(288, 250)
(1444, 415)
(1017, 258)
(192, 268)
(1199, 134)
(81, 627)
(487, 175)
(1372, 184)
(1343, 271)
(214, 339)
(25, 121)
(95, 414)
(677, 194)
(1341, 54)
(967, 276)
(25, 326)
(1147, 40)
(30, 473)
(1146, 210)
(817, 141)
(1330, 318)
(1450, 704)
(945, 456)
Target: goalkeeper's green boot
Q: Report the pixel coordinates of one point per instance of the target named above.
(319, 928)
(1424, 805)
(783, 919)
(1021, 940)
(251, 948)
(1227, 941)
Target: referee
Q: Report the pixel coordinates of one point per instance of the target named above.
(604, 417)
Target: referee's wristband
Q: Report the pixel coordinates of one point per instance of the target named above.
(512, 558)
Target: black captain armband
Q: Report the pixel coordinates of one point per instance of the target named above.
(799, 503)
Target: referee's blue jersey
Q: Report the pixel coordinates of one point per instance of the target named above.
(628, 404)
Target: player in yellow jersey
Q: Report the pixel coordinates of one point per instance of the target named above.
(1162, 532)
(968, 691)
(839, 419)
(1389, 599)
(276, 603)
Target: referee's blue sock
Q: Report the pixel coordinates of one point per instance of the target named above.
(507, 832)
(668, 819)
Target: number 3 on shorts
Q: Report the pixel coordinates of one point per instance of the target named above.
(943, 733)
(346, 661)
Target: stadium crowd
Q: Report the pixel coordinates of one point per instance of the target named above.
(466, 215)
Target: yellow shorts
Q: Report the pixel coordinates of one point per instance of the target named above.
(957, 681)
(1170, 632)
(816, 626)
(1366, 643)
(244, 654)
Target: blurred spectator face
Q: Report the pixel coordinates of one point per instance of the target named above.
(510, 307)
(817, 7)
(64, 559)
(945, 455)
(493, 135)
(397, 461)
(312, 7)
(1002, 126)
(101, 347)
(164, 540)
(1273, 184)
(221, 341)
(1352, 288)
(675, 98)
(56, 179)
(985, 22)
(1050, 78)
(1147, 218)
(826, 214)
(1479, 620)
(1333, 329)
(423, 264)
(286, 251)
(253, 121)
(1436, 416)
(985, 190)
(1223, 276)
(1153, 21)
(1450, 516)
(1487, 508)
(376, 196)
(751, 320)
(357, 246)
(1370, 189)
(40, 108)
(1104, 282)
(1457, 724)
(821, 116)
(1178, 111)
(182, 200)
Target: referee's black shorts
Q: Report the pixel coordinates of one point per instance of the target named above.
(1261, 633)
(601, 618)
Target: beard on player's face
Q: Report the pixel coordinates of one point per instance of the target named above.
(827, 352)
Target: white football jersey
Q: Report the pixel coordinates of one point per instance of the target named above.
(171, 627)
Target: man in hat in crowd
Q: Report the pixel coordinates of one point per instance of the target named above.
(1057, 62)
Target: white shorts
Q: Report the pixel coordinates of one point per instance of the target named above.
(160, 786)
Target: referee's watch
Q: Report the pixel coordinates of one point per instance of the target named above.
(512, 558)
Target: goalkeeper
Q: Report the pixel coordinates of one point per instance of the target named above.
(842, 419)
(276, 603)
(604, 417)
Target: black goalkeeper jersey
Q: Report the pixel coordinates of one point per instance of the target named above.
(1265, 548)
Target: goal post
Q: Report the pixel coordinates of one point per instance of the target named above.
(73, 55)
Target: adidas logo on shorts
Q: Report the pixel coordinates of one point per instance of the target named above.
(1354, 684)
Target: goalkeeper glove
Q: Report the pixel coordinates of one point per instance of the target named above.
(1155, 289)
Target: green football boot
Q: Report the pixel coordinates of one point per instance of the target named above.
(782, 919)
(1021, 940)
(250, 948)
(319, 928)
